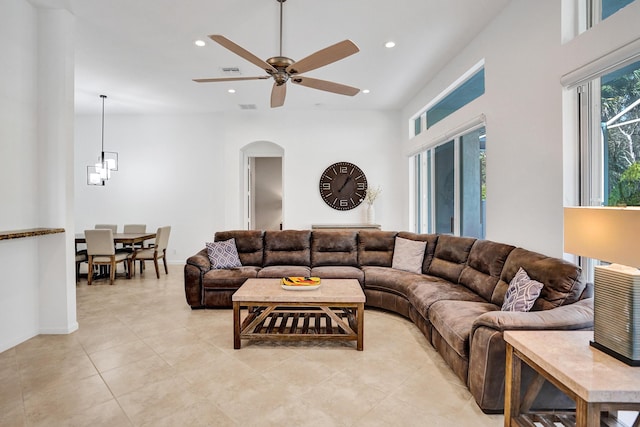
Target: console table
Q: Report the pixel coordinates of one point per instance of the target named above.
(599, 384)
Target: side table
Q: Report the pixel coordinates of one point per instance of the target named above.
(599, 384)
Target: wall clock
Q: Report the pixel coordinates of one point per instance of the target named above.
(343, 186)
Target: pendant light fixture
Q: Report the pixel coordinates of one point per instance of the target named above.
(100, 173)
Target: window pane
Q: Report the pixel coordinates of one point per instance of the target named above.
(444, 188)
(609, 7)
(473, 184)
(417, 126)
(458, 98)
(620, 123)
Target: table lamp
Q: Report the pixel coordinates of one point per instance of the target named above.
(610, 234)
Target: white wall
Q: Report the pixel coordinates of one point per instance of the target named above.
(523, 105)
(37, 286)
(185, 170)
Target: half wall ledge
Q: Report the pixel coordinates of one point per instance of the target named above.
(29, 232)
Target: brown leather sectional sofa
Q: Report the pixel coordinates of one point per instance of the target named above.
(455, 302)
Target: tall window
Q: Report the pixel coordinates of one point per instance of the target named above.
(450, 186)
(611, 108)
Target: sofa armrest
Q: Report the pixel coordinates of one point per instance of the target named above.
(578, 315)
(200, 260)
(194, 269)
(487, 351)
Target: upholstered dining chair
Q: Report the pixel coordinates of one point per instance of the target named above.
(81, 256)
(134, 228)
(112, 227)
(100, 251)
(155, 252)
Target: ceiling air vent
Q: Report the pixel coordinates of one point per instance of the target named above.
(248, 106)
(231, 71)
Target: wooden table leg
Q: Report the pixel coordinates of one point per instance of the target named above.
(587, 414)
(512, 381)
(236, 325)
(360, 319)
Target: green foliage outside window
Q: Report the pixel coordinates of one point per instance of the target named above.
(620, 90)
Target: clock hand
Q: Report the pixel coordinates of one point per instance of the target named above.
(345, 183)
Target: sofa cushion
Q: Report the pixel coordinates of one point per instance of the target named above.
(223, 254)
(338, 272)
(334, 248)
(279, 271)
(434, 289)
(288, 247)
(450, 256)
(431, 240)
(408, 255)
(390, 280)
(249, 244)
(228, 278)
(453, 321)
(563, 281)
(484, 265)
(522, 292)
(376, 247)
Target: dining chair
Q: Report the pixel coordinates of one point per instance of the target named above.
(101, 252)
(134, 228)
(154, 253)
(81, 256)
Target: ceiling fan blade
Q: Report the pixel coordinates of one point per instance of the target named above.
(230, 79)
(324, 57)
(278, 93)
(325, 85)
(238, 50)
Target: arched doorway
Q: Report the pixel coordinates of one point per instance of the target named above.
(262, 185)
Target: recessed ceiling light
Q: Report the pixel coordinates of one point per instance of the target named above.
(366, 91)
(231, 91)
(199, 43)
(389, 44)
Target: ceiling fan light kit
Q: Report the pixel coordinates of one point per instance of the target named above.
(282, 69)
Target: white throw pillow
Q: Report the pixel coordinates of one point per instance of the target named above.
(223, 254)
(522, 292)
(408, 255)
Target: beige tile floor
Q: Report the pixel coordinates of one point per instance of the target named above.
(142, 357)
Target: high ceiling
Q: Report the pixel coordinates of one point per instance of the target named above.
(141, 53)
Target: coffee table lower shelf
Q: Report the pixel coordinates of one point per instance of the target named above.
(298, 322)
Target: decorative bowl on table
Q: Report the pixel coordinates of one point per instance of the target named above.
(295, 283)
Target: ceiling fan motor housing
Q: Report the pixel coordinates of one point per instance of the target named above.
(280, 63)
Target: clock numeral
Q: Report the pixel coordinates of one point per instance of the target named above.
(343, 169)
(361, 186)
(344, 203)
(326, 186)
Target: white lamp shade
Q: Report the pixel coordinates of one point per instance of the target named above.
(610, 234)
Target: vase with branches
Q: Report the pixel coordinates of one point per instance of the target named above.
(370, 197)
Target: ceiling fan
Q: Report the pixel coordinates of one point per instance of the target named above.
(283, 69)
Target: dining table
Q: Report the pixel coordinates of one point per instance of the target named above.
(125, 238)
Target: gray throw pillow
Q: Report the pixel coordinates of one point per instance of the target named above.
(223, 254)
(408, 255)
(522, 292)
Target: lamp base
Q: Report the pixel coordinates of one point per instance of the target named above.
(614, 354)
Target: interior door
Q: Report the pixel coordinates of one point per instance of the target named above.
(265, 193)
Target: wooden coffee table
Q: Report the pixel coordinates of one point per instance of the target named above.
(334, 311)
